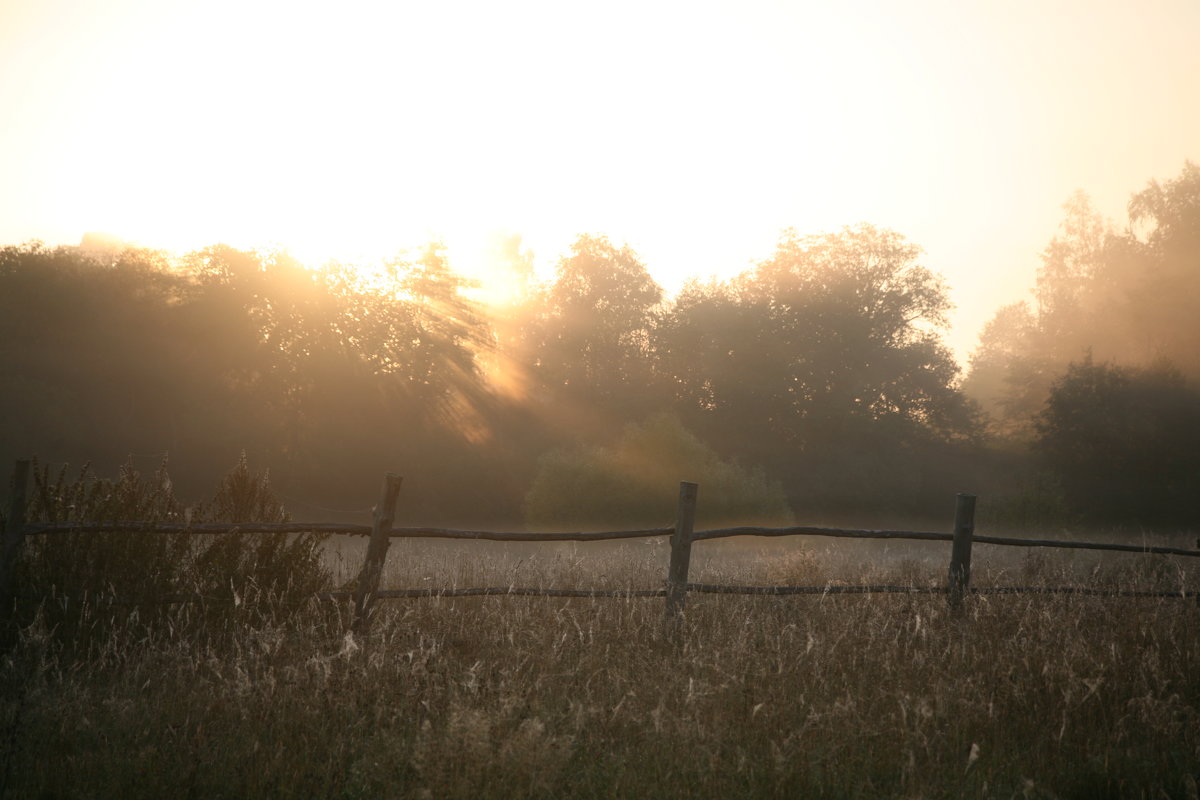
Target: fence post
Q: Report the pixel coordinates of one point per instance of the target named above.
(377, 547)
(14, 537)
(681, 552)
(960, 551)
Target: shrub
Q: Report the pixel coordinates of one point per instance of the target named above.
(1123, 442)
(277, 563)
(635, 481)
(136, 566)
(145, 568)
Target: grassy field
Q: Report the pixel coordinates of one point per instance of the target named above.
(836, 696)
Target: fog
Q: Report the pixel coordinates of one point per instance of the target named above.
(816, 385)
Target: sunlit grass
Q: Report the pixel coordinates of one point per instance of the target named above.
(863, 696)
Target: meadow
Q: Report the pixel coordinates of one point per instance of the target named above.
(810, 696)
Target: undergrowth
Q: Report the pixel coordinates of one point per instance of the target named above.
(61, 575)
(836, 696)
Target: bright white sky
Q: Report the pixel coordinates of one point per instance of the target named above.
(695, 131)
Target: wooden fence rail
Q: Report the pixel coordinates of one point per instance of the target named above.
(34, 529)
(38, 528)
(676, 588)
(698, 588)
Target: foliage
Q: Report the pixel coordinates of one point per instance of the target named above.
(275, 564)
(635, 482)
(1127, 297)
(1008, 380)
(832, 333)
(135, 566)
(143, 568)
(1124, 442)
(591, 338)
(329, 376)
(1034, 501)
(823, 363)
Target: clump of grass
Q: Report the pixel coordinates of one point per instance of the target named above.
(851, 696)
(63, 574)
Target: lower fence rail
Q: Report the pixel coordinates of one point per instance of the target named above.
(619, 594)
(770, 591)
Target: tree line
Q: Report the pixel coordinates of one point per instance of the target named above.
(1098, 375)
(816, 381)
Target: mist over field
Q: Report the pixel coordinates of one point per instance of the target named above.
(815, 387)
(817, 382)
(639, 399)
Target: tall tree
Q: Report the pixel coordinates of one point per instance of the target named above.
(1123, 442)
(591, 340)
(830, 349)
(1073, 265)
(447, 329)
(318, 371)
(1165, 303)
(1130, 297)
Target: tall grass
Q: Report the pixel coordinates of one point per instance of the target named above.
(138, 568)
(837, 696)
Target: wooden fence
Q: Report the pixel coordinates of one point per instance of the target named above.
(381, 532)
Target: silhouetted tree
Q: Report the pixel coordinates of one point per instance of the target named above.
(325, 375)
(824, 362)
(1165, 262)
(590, 342)
(1008, 379)
(1132, 298)
(93, 351)
(1123, 442)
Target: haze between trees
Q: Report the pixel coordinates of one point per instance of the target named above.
(821, 370)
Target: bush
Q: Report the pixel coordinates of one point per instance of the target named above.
(145, 568)
(1124, 443)
(1035, 501)
(277, 563)
(134, 565)
(635, 482)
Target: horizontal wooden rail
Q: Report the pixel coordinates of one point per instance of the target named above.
(1181, 593)
(1118, 548)
(779, 591)
(710, 588)
(807, 530)
(699, 588)
(493, 591)
(211, 528)
(402, 594)
(705, 588)
(204, 528)
(519, 536)
(855, 533)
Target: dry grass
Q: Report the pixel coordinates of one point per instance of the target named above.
(847, 696)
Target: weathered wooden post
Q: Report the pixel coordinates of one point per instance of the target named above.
(681, 553)
(960, 550)
(14, 537)
(377, 547)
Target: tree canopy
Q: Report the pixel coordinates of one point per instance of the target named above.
(829, 351)
(1123, 442)
(818, 378)
(1130, 297)
(590, 338)
(310, 369)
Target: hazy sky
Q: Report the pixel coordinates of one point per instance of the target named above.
(695, 131)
